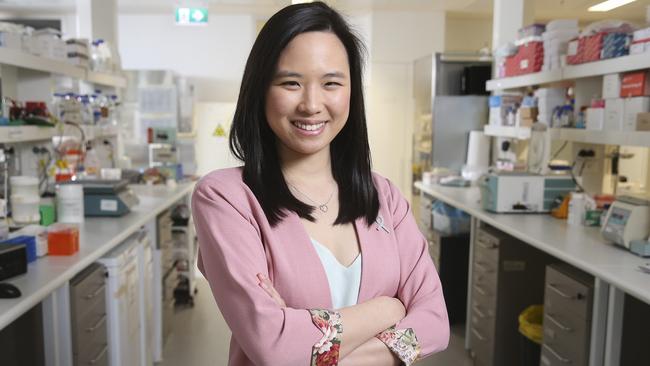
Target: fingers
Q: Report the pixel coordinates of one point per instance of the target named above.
(266, 284)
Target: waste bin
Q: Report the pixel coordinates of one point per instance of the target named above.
(530, 328)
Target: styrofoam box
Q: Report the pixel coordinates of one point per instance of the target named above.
(595, 118)
(637, 48)
(641, 34)
(611, 86)
(614, 110)
(561, 24)
(634, 106)
(11, 40)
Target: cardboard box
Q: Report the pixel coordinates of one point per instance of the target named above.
(614, 113)
(635, 84)
(595, 118)
(611, 86)
(526, 122)
(643, 122)
(633, 107)
(528, 113)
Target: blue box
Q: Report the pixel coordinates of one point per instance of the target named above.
(28, 241)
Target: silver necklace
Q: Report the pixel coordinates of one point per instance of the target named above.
(322, 207)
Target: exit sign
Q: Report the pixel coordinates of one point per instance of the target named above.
(192, 16)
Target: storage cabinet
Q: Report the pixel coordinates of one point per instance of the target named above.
(451, 257)
(568, 303)
(89, 318)
(507, 277)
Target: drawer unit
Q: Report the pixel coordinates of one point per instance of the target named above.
(568, 299)
(88, 322)
(451, 257)
(507, 277)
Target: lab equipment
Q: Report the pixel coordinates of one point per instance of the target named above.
(506, 192)
(39, 233)
(107, 197)
(13, 260)
(122, 303)
(640, 247)
(628, 219)
(28, 241)
(9, 291)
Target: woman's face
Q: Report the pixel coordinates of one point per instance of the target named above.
(308, 102)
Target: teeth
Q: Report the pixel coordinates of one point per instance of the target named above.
(307, 127)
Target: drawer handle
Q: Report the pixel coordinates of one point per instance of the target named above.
(99, 323)
(481, 266)
(559, 292)
(478, 311)
(483, 245)
(480, 290)
(97, 292)
(477, 334)
(99, 355)
(556, 355)
(557, 322)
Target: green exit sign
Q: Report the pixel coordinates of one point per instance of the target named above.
(191, 16)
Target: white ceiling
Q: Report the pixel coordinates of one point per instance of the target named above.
(544, 9)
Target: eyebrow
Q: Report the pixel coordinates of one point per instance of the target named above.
(290, 74)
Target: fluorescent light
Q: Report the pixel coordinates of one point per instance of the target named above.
(609, 5)
(293, 2)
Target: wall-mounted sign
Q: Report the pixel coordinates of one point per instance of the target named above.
(191, 16)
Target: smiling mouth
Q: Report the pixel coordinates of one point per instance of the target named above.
(308, 126)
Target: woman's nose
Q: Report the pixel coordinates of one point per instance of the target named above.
(312, 102)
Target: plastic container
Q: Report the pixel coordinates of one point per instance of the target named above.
(70, 203)
(24, 185)
(92, 166)
(62, 239)
(25, 209)
(530, 328)
(39, 233)
(449, 220)
(28, 241)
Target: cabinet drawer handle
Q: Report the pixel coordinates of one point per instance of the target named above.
(556, 355)
(478, 311)
(559, 292)
(557, 322)
(484, 245)
(97, 292)
(97, 325)
(482, 267)
(477, 334)
(480, 290)
(99, 355)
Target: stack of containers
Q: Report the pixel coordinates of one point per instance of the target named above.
(530, 54)
(635, 88)
(556, 41)
(47, 43)
(613, 111)
(547, 100)
(77, 50)
(502, 107)
(11, 35)
(640, 41)
(24, 199)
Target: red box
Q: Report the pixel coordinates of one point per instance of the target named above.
(528, 59)
(62, 239)
(635, 84)
(590, 47)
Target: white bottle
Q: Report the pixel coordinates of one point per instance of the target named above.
(576, 209)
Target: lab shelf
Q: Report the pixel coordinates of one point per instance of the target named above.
(95, 132)
(538, 78)
(521, 133)
(114, 80)
(572, 72)
(16, 134)
(28, 61)
(632, 138)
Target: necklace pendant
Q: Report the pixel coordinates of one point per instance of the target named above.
(323, 208)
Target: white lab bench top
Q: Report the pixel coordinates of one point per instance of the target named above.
(582, 247)
(97, 236)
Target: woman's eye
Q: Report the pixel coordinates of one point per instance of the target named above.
(332, 84)
(290, 84)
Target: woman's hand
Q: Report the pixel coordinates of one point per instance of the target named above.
(266, 284)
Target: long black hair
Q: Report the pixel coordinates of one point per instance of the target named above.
(253, 141)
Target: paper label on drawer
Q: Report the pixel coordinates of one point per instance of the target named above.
(108, 205)
(514, 266)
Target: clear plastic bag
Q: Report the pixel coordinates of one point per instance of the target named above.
(449, 220)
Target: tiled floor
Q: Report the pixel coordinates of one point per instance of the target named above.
(201, 338)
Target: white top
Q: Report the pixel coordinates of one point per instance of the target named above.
(344, 281)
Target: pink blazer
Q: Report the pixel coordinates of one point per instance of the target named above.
(237, 242)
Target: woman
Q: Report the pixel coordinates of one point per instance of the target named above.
(313, 259)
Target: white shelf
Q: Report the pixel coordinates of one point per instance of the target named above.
(114, 80)
(572, 72)
(632, 138)
(15, 134)
(95, 132)
(610, 66)
(28, 61)
(521, 133)
(538, 78)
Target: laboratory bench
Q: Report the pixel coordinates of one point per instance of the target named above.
(617, 279)
(47, 281)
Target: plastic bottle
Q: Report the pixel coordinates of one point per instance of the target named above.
(576, 209)
(92, 166)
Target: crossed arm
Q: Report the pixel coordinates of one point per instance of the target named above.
(362, 322)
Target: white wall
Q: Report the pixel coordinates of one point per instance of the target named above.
(211, 56)
(463, 34)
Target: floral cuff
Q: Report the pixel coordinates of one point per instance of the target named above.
(326, 351)
(402, 342)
